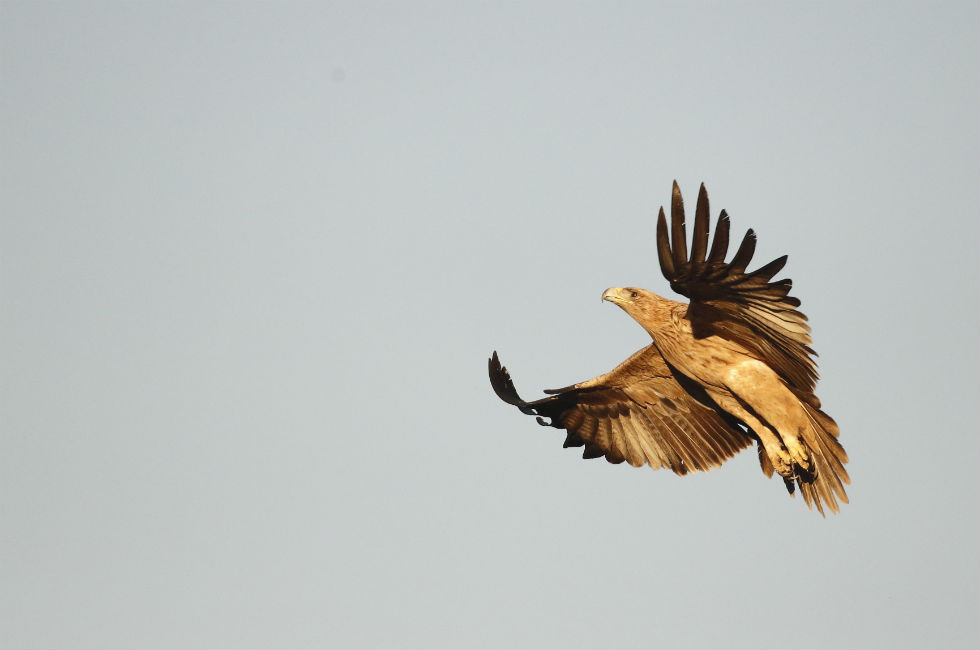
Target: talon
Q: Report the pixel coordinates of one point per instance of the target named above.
(782, 463)
(804, 474)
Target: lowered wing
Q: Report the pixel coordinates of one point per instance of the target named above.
(638, 413)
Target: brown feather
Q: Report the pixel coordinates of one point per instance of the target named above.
(663, 245)
(744, 253)
(699, 240)
(678, 233)
(719, 246)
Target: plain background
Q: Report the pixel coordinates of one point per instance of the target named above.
(255, 257)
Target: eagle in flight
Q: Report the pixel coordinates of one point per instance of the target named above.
(732, 366)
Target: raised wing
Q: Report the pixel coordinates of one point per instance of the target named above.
(639, 413)
(727, 300)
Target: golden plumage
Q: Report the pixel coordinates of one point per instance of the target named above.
(732, 366)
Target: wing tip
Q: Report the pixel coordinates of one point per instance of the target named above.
(702, 191)
(664, 253)
(502, 384)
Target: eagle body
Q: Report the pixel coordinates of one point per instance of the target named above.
(727, 371)
(706, 359)
(730, 368)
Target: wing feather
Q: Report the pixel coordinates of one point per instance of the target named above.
(666, 443)
(677, 229)
(637, 456)
(719, 246)
(602, 437)
(723, 293)
(663, 244)
(699, 240)
(651, 450)
(744, 253)
(639, 413)
(618, 438)
(587, 431)
(712, 447)
(575, 420)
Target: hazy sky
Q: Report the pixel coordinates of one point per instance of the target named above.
(255, 257)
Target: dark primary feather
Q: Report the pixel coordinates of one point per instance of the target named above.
(678, 234)
(699, 242)
(639, 413)
(726, 300)
(719, 247)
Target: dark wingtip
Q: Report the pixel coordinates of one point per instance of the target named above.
(502, 384)
(664, 253)
(772, 268)
(745, 252)
(702, 192)
(678, 230)
(699, 242)
(719, 245)
(493, 364)
(676, 196)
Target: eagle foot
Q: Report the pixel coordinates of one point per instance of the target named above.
(781, 461)
(799, 457)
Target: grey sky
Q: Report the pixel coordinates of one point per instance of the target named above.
(255, 256)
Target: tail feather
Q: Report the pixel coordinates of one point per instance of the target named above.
(766, 464)
(827, 488)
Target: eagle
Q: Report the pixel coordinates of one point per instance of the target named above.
(730, 367)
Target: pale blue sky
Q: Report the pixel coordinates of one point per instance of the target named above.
(255, 256)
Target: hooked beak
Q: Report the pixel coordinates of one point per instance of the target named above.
(613, 295)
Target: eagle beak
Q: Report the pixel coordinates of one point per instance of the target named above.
(612, 295)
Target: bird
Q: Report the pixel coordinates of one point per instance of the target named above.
(730, 368)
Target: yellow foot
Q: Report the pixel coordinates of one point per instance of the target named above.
(781, 460)
(798, 453)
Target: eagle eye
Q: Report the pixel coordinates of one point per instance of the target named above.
(632, 294)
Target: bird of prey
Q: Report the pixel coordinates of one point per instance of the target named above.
(732, 366)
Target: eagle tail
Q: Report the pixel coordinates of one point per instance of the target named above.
(824, 484)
